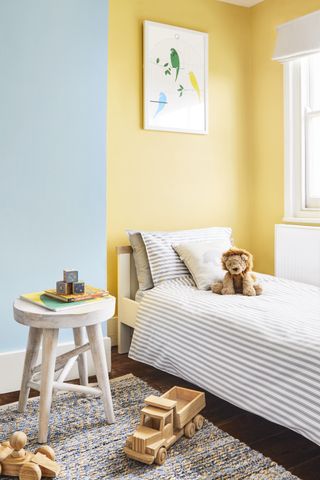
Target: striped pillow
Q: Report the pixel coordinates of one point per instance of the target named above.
(141, 260)
(164, 262)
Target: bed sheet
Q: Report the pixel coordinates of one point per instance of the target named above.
(259, 353)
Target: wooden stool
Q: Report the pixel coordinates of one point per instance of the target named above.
(46, 324)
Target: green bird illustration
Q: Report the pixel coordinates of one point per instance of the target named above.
(175, 61)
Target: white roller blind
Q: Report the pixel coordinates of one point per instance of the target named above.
(298, 37)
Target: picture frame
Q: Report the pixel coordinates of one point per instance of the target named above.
(175, 79)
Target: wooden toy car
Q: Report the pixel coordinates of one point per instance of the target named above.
(163, 421)
(17, 462)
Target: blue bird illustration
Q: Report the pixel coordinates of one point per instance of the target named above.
(162, 102)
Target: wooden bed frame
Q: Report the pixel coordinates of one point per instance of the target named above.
(127, 306)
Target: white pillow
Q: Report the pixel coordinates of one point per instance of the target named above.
(203, 260)
(164, 262)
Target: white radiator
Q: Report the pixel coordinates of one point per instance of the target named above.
(297, 253)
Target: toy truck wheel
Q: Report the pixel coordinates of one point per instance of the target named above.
(189, 430)
(30, 471)
(47, 451)
(161, 456)
(198, 421)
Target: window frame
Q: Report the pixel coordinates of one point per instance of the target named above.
(296, 210)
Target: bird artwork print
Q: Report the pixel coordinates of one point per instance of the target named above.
(175, 79)
(175, 61)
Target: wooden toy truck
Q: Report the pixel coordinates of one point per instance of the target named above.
(163, 421)
(17, 462)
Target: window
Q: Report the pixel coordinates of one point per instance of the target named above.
(313, 133)
(168, 419)
(151, 422)
(298, 48)
(302, 125)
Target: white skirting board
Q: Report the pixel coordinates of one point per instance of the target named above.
(11, 365)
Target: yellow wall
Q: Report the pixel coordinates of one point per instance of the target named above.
(234, 175)
(160, 180)
(267, 133)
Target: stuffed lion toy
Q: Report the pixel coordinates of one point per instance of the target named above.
(239, 277)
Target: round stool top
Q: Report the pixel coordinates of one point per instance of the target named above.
(33, 315)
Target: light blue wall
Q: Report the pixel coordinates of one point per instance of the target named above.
(53, 65)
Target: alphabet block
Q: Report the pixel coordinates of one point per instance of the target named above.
(78, 287)
(70, 276)
(63, 288)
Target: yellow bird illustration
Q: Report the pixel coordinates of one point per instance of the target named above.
(194, 83)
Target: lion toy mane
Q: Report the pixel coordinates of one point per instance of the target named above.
(239, 278)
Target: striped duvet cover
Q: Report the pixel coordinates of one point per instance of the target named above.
(259, 353)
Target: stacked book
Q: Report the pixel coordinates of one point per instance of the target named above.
(66, 294)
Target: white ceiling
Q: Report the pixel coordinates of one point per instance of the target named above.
(243, 3)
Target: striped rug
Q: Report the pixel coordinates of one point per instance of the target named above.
(88, 449)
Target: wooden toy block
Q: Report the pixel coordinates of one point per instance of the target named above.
(163, 421)
(70, 276)
(63, 288)
(17, 462)
(78, 287)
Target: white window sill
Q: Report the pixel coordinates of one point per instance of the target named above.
(301, 219)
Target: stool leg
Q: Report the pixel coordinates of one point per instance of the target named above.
(79, 340)
(33, 346)
(100, 363)
(49, 346)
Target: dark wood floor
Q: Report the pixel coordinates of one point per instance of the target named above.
(285, 447)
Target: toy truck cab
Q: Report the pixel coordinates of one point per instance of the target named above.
(163, 421)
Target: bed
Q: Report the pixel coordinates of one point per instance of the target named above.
(261, 354)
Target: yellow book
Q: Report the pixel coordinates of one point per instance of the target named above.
(90, 293)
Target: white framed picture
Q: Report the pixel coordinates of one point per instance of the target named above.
(175, 79)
